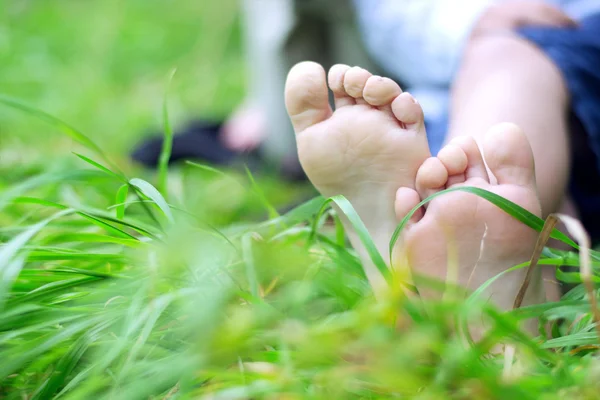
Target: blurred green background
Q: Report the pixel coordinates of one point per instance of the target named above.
(103, 67)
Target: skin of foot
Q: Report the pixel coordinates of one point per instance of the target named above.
(372, 144)
(373, 150)
(482, 239)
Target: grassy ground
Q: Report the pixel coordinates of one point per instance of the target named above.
(115, 284)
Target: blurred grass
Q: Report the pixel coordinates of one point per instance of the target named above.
(102, 65)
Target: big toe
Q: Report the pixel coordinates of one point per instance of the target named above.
(509, 156)
(306, 97)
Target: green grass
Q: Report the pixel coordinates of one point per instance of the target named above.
(124, 284)
(113, 293)
(103, 66)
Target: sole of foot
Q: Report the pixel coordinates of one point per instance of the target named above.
(372, 144)
(464, 238)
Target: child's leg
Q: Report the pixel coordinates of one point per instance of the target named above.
(505, 78)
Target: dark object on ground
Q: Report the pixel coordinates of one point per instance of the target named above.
(199, 140)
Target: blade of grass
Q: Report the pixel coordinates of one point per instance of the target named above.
(57, 123)
(103, 224)
(543, 238)
(8, 274)
(9, 250)
(165, 153)
(8, 195)
(101, 167)
(16, 358)
(576, 229)
(576, 339)
(562, 308)
(156, 309)
(212, 170)
(53, 289)
(261, 196)
(514, 210)
(103, 220)
(63, 237)
(153, 194)
(250, 267)
(120, 200)
(302, 213)
(340, 233)
(359, 228)
(50, 256)
(68, 362)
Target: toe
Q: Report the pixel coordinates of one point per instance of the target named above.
(454, 159)
(336, 84)
(354, 82)
(475, 165)
(406, 200)
(431, 177)
(306, 96)
(509, 155)
(380, 91)
(408, 111)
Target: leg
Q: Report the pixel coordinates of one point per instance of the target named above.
(506, 79)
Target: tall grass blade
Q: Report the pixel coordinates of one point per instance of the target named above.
(17, 358)
(165, 153)
(9, 271)
(150, 191)
(576, 230)
(47, 178)
(261, 196)
(543, 238)
(360, 229)
(120, 201)
(101, 167)
(514, 210)
(57, 123)
(10, 249)
(251, 275)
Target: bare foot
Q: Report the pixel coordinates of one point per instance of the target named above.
(486, 240)
(370, 146)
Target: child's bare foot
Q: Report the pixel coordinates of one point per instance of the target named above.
(370, 146)
(487, 241)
